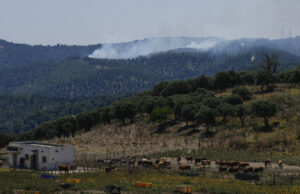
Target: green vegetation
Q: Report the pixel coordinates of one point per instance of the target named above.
(162, 181)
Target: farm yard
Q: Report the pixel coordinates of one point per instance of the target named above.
(163, 173)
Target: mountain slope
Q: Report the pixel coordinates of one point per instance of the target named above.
(79, 78)
(12, 54)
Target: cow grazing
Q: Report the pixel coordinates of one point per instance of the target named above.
(178, 159)
(185, 167)
(223, 163)
(280, 164)
(205, 162)
(268, 163)
(243, 164)
(258, 169)
(223, 168)
(197, 160)
(248, 169)
(189, 158)
(63, 167)
(234, 169)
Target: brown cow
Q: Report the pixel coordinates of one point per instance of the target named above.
(222, 168)
(205, 162)
(268, 163)
(178, 159)
(217, 162)
(189, 158)
(258, 169)
(197, 160)
(243, 164)
(280, 164)
(223, 163)
(63, 167)
(248, 169)
(234, 169)
(0, 162)
(185, 167)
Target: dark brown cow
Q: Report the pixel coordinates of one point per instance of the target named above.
(189, 158)
(205, 162)
(258, 169)
(185, 167)
(178, 159)
(217, 162)
(63, 167)
(223, 163)
(243, 164)
(222, 168)
(197, 160)
(248, 169)
(1, 162)
(234, 169)
(268, 163)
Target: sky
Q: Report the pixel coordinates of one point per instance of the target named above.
(110, 21)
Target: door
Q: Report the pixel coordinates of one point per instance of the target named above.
(15, 160)
(33, 162)
(22, 162)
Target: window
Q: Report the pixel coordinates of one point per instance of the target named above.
(26, 156)
(44, 159)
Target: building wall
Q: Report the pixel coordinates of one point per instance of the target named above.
(55, 155)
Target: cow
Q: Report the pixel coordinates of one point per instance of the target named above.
(189, 158)
(63, 167)
(178, 159)
(205, 162)
(248, 169)
(185, 167)
(258, 169)
(280, 164)
(243, 164)
(268, 163)
(1, 162)
(223, 163)
(223, 168)
(197, 160)
(234, 169)
(217, 162)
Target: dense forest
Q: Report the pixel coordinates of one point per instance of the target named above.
(193, 101)
(22, 113)
(85, 77)
(16, 55)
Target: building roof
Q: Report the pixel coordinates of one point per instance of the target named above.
(37, 143)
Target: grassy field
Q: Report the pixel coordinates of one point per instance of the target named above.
(161, 182)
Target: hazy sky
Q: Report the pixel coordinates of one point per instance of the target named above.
(99, 21)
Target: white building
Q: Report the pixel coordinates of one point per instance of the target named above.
(38, 155)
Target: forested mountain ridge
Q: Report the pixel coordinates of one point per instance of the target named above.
(87, 77)
(21, 113)
(12, 54)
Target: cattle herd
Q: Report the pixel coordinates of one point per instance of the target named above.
(183, 164)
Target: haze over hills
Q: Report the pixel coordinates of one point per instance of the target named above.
(61, 74)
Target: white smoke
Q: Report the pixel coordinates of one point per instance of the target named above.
(149, 46)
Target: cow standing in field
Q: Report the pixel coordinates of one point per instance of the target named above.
(223, 168)
(63, 167)
(243, 164)
(189, 158)
(185, 167)
(197, 160)
(280, 164)
(178, 160)
(234, 169)
(268, 163)
(248, 169)
(258, 169)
